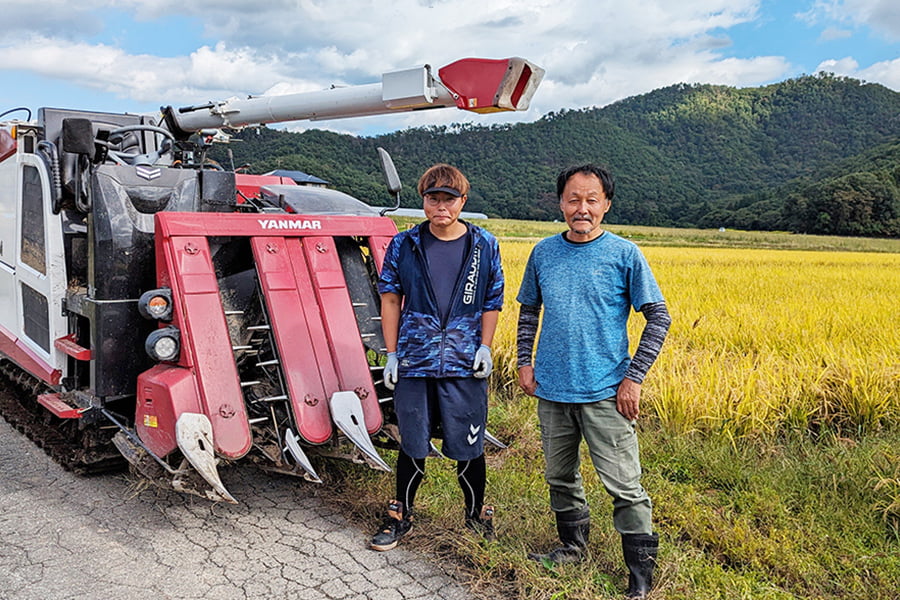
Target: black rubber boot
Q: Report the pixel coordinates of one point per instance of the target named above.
(574, 528)
(640, 557)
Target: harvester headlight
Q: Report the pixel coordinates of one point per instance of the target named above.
(156, 304)
(163, 344)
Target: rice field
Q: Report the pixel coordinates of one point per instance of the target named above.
(769, 434)
(762, 341)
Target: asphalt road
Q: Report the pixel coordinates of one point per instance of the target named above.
(67, 537)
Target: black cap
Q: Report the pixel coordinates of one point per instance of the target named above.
(449, 190)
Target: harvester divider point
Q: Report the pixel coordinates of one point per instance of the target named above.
(347, 414)
(194, 434)
(292, 447)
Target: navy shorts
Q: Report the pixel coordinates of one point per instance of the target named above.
(452, 408)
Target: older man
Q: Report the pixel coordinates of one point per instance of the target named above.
(587, 281)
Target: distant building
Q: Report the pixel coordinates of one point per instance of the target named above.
(299, 177)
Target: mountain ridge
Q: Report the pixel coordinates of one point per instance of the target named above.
(770, 157)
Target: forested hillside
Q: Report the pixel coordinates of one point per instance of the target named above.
(817, 154)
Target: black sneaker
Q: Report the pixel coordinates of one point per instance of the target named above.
(483, 524)
(394, 527)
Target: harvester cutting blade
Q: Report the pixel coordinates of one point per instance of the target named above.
(347, 414)
(293, 447)
(195, 439)
(490, 438)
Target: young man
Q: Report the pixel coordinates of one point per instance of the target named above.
(588, 280)
(441, 293)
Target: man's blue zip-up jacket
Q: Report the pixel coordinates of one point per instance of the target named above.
(426, 347)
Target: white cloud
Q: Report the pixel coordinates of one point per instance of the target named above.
(95, 66)
(833, 33)
(886, 72)
(881, 16)
(221, 68)
(843, 66)
(208, 73)
(52, 18)
(594, 51)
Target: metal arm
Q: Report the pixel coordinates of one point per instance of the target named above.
(473, 84)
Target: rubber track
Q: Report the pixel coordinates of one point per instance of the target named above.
(82, 451)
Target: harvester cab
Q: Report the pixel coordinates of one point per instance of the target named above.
(156, 307)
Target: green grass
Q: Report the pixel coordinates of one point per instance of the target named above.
(793, 518)
(662, 236)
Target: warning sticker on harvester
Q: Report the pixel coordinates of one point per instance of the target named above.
(150, 421)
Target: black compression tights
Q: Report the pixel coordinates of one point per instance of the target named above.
(470, 473)
(410, 472)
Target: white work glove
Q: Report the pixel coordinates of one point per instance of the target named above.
(483, 364)
(390, 370)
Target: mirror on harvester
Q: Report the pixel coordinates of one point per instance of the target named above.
(391, 178)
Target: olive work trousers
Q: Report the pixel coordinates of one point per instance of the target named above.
(613, 446)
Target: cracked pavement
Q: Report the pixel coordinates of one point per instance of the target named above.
(66, 537)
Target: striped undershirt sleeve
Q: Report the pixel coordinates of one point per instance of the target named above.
(526, 332)
(658, 321)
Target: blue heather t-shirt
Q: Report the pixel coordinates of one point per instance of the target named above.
(587, 291)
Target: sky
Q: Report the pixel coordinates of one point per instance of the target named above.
(137, 55)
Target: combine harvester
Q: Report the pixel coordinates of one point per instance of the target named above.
(158, 308)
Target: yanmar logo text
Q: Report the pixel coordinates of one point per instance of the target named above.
(288, 224)
(472, 278)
